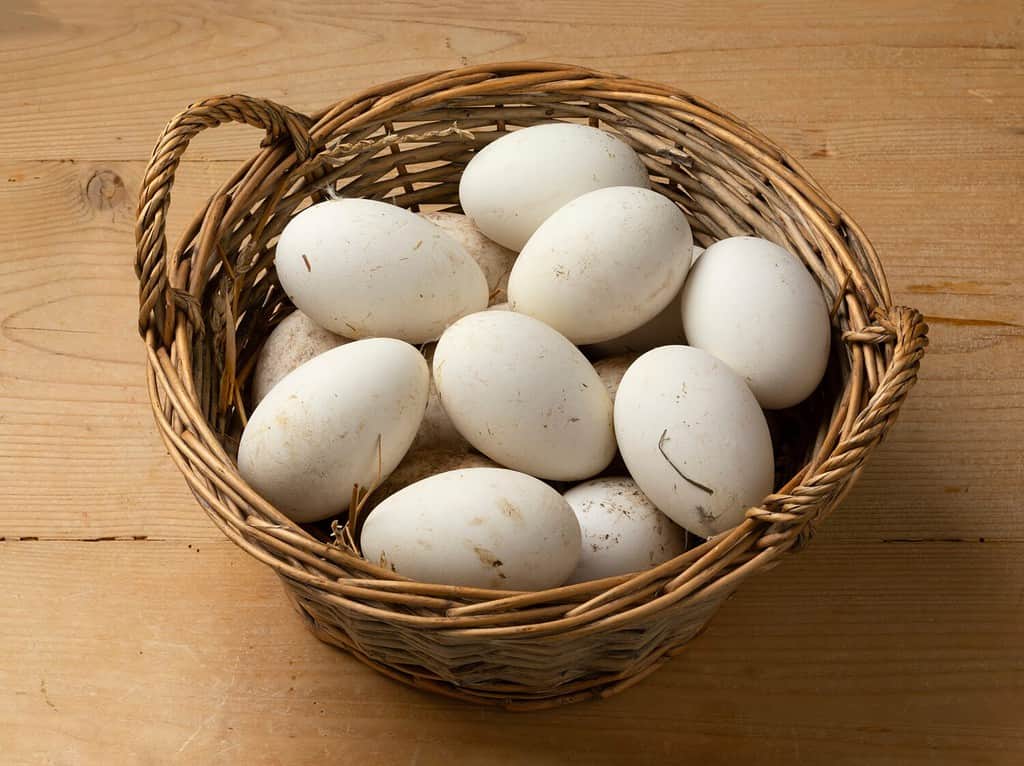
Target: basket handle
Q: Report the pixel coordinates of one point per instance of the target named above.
(278, 121)
(800, 511)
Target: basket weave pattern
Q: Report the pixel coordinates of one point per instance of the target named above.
(207, 304)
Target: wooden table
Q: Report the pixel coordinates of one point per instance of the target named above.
(132, 632)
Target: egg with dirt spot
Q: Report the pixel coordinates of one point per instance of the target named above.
(362, 268)
(476, 527)
(693, 438)
(344, 418)
(622, 530)
(524, 396)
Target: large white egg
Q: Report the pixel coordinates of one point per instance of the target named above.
(316, 433)
(295, 340)
(604, 264)
(362, 268)
(622, 531)
(477, 527)
(524, 396)
(693, 438)
(758, 309)
(666, 329)
(494, 260)
(514, 183)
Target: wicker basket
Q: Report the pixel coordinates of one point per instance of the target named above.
(207, 304)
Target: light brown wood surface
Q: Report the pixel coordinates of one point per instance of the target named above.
(132, 632)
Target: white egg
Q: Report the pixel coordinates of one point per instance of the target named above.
(524, 396)
(295, 340)
(622, 529)
(476, 527)
(437, 432)
(758, 309)
(363, 269)
(666, 329)
(604, 264)
(693, 438)
(513, 184)
(611, 369)
(493, 259)
(323, 428)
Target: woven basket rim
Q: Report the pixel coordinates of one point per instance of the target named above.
(885, 342)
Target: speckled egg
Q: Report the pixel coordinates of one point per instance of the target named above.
(477, 527)
(622, 531)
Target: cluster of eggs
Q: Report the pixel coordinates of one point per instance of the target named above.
(480, 373)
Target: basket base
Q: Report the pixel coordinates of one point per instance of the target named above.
(509, 697)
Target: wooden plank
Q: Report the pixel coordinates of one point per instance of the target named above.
(78, 448)
(158, 652)
(79, 81)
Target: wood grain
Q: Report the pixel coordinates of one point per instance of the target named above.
(897, 637)
(104, 83)
(75, 417)
(809, 663)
